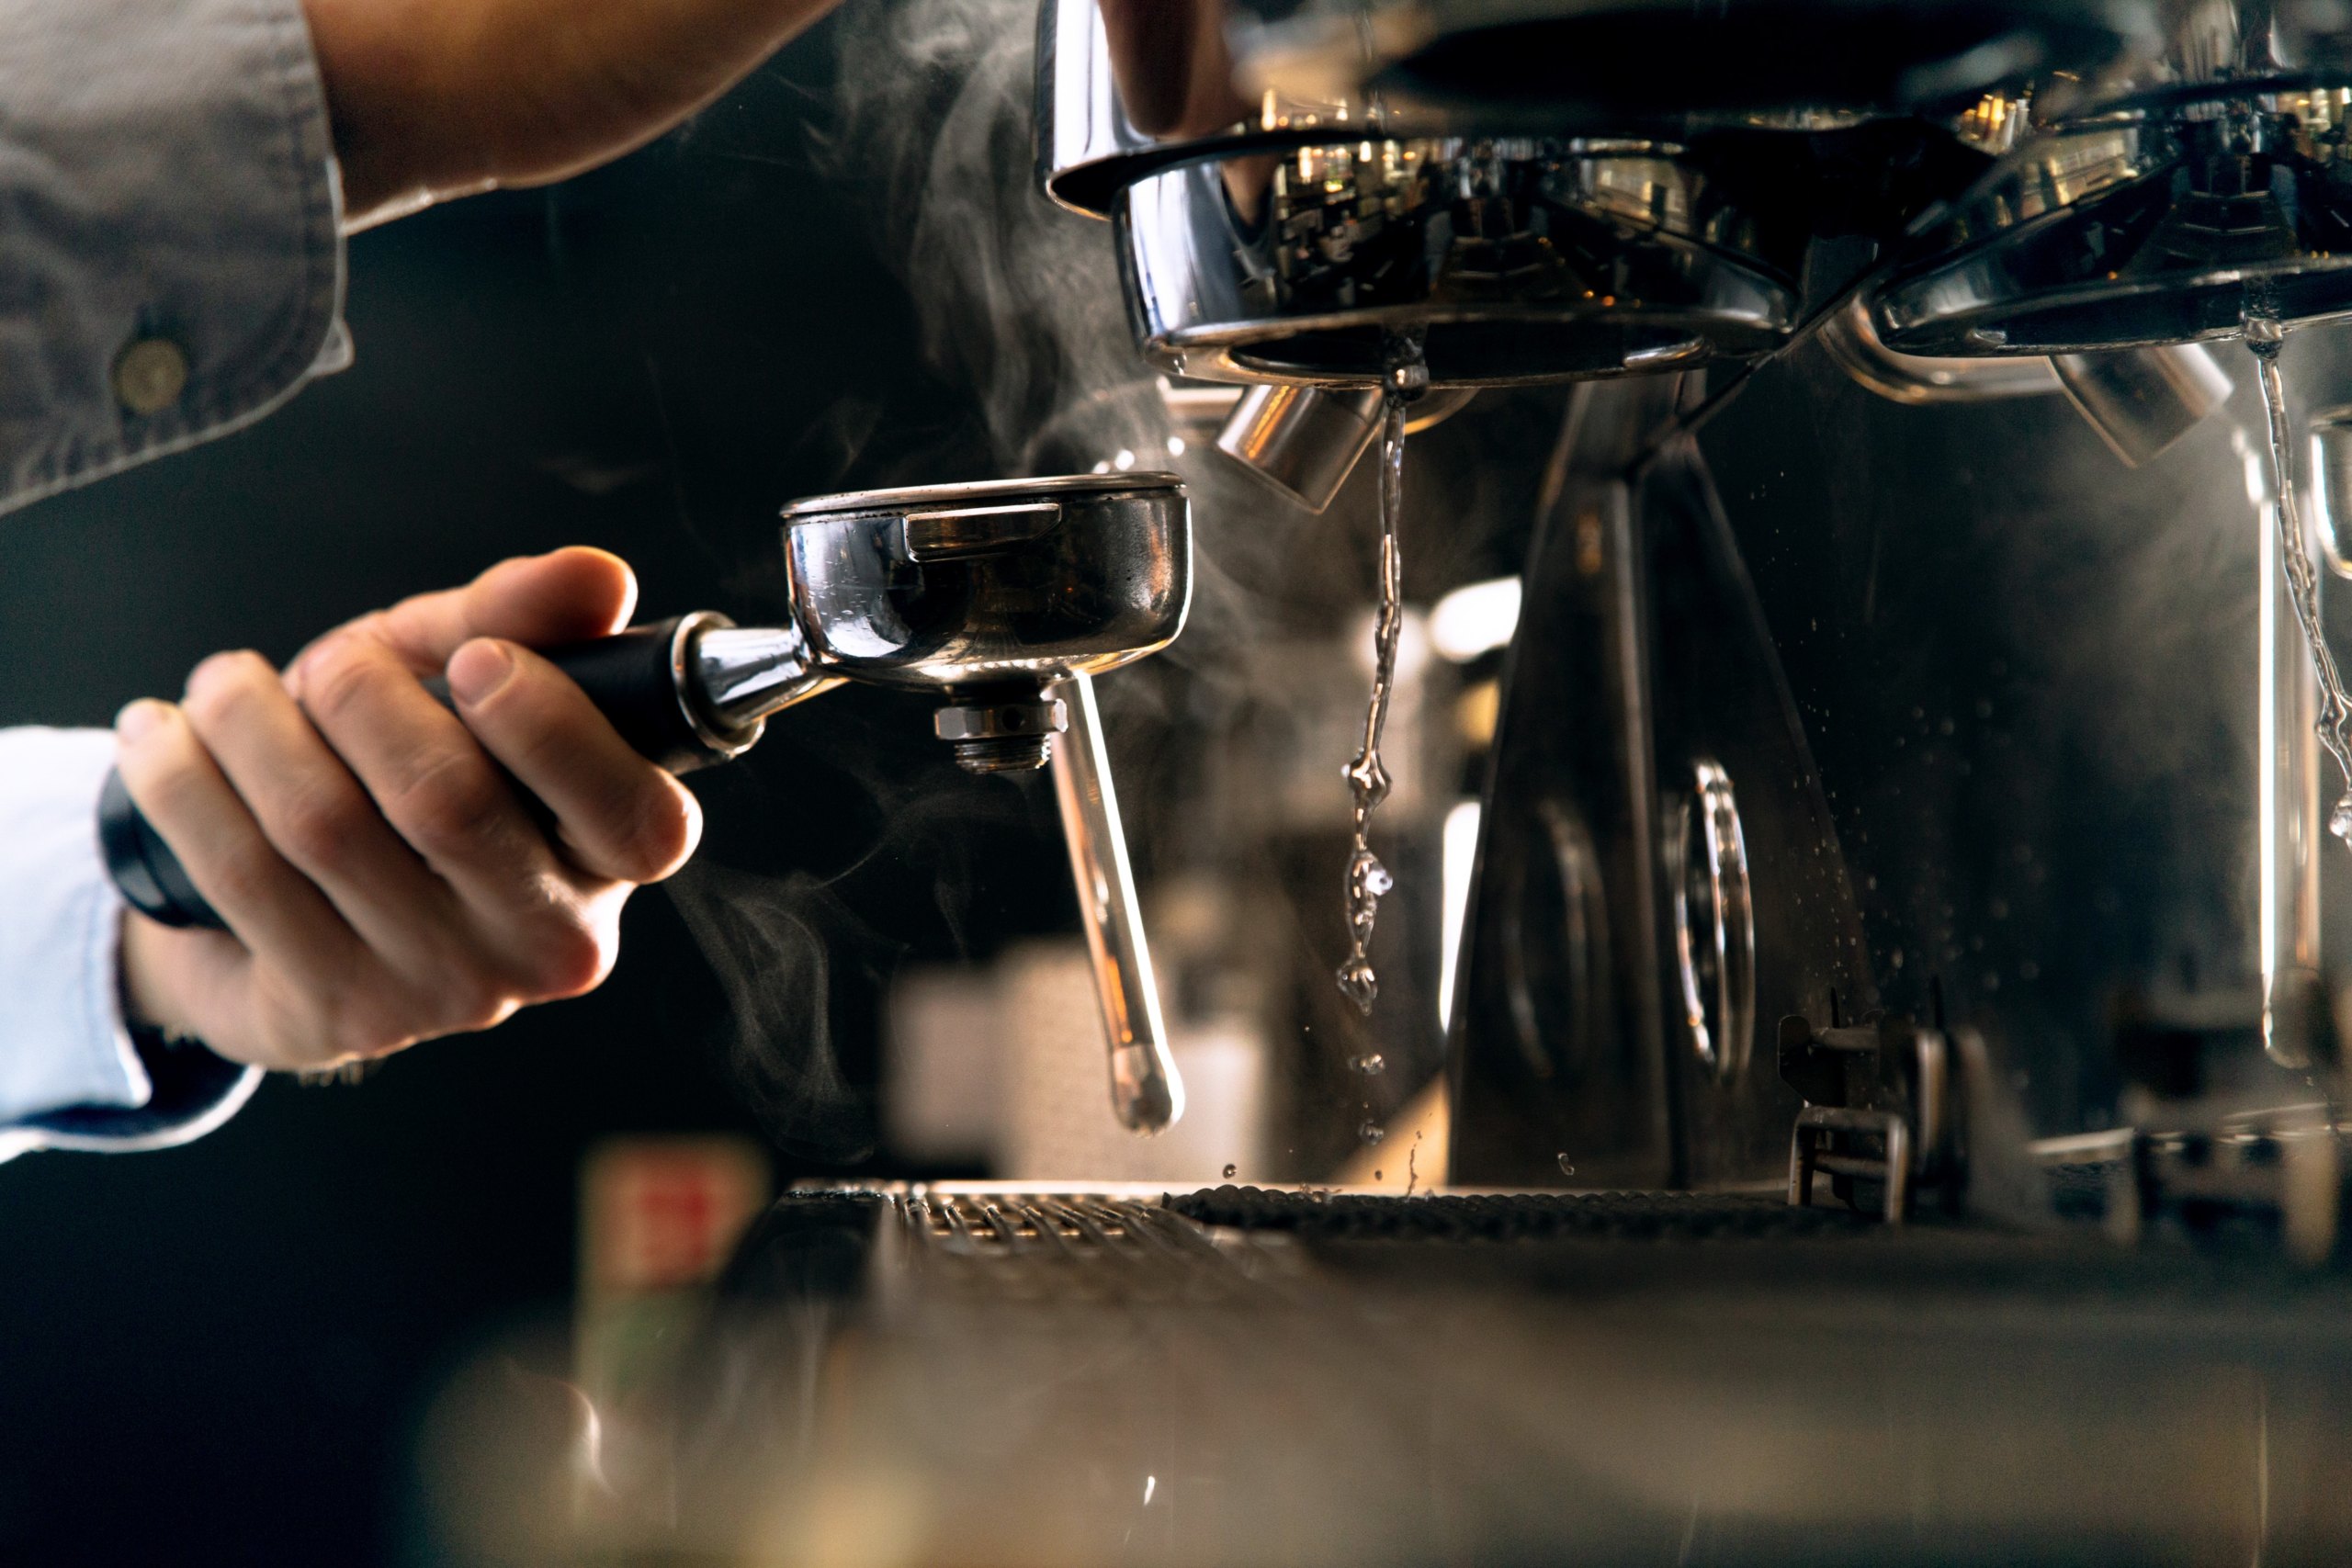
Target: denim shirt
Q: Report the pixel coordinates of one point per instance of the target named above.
(170, 268)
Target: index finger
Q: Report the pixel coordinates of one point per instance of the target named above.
(567, 595)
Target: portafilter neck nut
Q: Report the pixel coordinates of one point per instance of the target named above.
(1002, 732)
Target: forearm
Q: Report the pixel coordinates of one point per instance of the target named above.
(432, 98)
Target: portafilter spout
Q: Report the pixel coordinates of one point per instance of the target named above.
(1002, 598)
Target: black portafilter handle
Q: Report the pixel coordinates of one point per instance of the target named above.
(643, 680)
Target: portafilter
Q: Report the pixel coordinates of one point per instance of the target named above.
(1005, 598)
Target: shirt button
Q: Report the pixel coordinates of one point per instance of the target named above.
(150, 374)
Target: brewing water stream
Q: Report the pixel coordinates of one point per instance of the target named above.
(2263, 336)
(1367, 879)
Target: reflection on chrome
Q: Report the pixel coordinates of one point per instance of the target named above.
(1525, 259)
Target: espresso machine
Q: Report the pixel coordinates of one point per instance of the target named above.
(1736, 874)
(1893, 1083)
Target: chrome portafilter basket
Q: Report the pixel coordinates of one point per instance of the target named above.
(988, 595)
(1004, 599)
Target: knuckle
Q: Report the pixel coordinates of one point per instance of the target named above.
(470, 997)
(469, 1000)
(366, 1023)
(356, 1034)
(318, 826)
(338, 678)
(661, 834)
(237, 879)
(451, 804)
(567, 958)
(488, 1009)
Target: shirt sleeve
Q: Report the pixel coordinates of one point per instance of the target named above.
(171, 258)
(71, 1075)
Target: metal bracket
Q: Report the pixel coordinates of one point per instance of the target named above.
(1879, 1108)
(1819, 1139)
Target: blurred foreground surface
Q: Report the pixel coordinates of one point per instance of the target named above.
(997, 1375)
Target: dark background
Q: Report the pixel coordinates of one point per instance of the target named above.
(222, 1353)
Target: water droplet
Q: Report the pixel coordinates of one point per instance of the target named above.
(2339, 821)
(1229, 1171)
(1358, 984)
(1372, 1132)
(1370, 1065)
(1380, 1176)
(1567, 1168)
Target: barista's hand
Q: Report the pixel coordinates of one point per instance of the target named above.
(385, 881)
(434, 98)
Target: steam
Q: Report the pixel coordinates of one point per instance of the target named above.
(771, 942)
(1018, 305)
(1017, 298)
(1019, 301)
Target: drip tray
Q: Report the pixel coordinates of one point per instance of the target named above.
(986, 1373)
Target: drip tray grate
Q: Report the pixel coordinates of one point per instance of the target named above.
(1515, 1216)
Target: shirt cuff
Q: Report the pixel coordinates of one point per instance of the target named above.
(71, 1074)
(171, 256)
